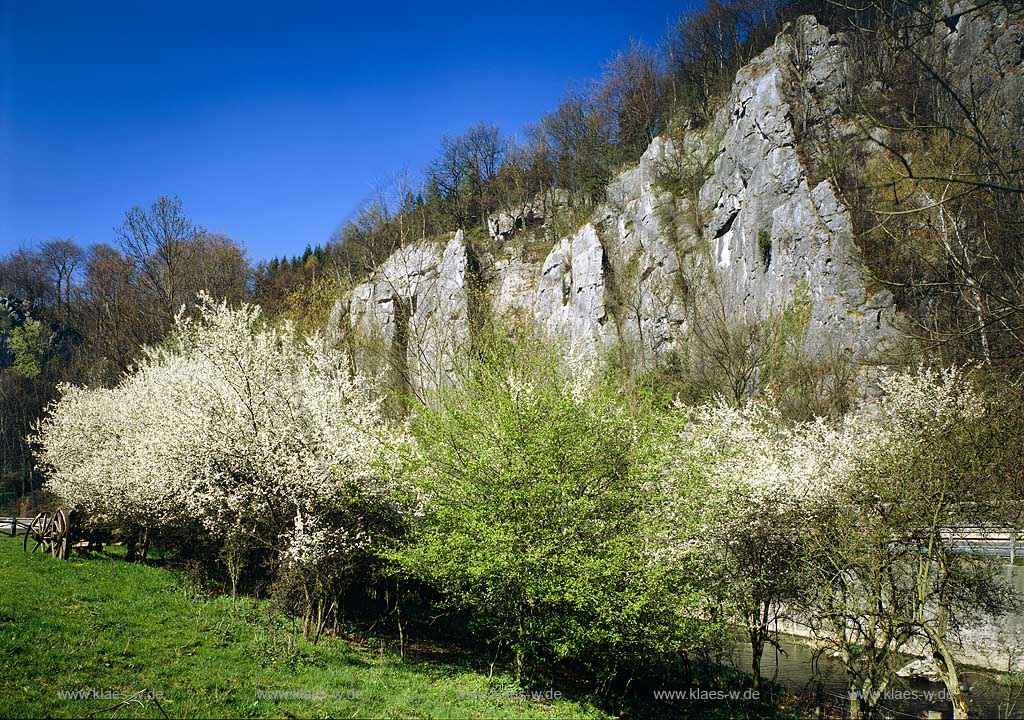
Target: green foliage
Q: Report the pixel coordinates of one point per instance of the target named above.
(795, 319)
(568, 219)
(29, 343)
(536, 248)
(537, 498)
(309, 305)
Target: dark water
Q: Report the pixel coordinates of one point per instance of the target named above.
(907, 699)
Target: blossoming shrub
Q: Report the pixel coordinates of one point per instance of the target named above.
(261, 439)
(920, 467)
(740, 491)
(537, 488)
(854, 524)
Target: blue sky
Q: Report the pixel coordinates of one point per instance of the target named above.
(272, 122)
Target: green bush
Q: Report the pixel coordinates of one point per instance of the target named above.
(536, 523)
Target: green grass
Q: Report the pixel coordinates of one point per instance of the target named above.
(107, 625)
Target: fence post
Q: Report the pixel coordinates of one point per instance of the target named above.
(1013, 545)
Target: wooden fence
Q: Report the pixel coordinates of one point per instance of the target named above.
(14, 526)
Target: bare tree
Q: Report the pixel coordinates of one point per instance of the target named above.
(65, 258)
(450, 181)
(632, 88)
(110, 314)
(161, 245)
(26, 275)
(709, 45)
(891, 562)
(219, 266)
(578, 135)
(732, 352)
(485, 151)
(464, 174)
(945, 197)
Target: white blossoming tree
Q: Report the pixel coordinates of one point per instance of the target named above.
(263, 439)
(856, 527)
(930, 459)
(744, 477)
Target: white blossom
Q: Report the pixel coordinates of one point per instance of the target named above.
(747, 458)
(233, 426)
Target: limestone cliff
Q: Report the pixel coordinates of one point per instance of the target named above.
(731, 214)
(412, 317)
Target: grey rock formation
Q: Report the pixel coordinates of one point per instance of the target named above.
(984, 57)
(565, 295)
(647, 231)
(507, 222)
(571, 295)
(776, 239)
(412, 316)
(921, 668)
(984, 50)
(763, 234)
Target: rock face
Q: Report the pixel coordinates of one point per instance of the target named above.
(775, 238)
(648, 232)
(570, 300)
(921, 668)
(984, 50)
(410, 319)
(732, 216)
(984, 56)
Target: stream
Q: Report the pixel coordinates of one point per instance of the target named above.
(916, 698)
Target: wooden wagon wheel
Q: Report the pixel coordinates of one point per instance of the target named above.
(60, 534)
(39, 533)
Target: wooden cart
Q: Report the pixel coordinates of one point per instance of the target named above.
(57, 533)
(48, 533)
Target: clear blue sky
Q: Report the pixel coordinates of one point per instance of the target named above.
(273, 122)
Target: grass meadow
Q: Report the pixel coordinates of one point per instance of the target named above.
(100, 637)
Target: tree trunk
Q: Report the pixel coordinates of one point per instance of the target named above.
(519, 652)
(307, 616)
(864, 700)
(855, 706)
(756, 650)
(946, 667)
